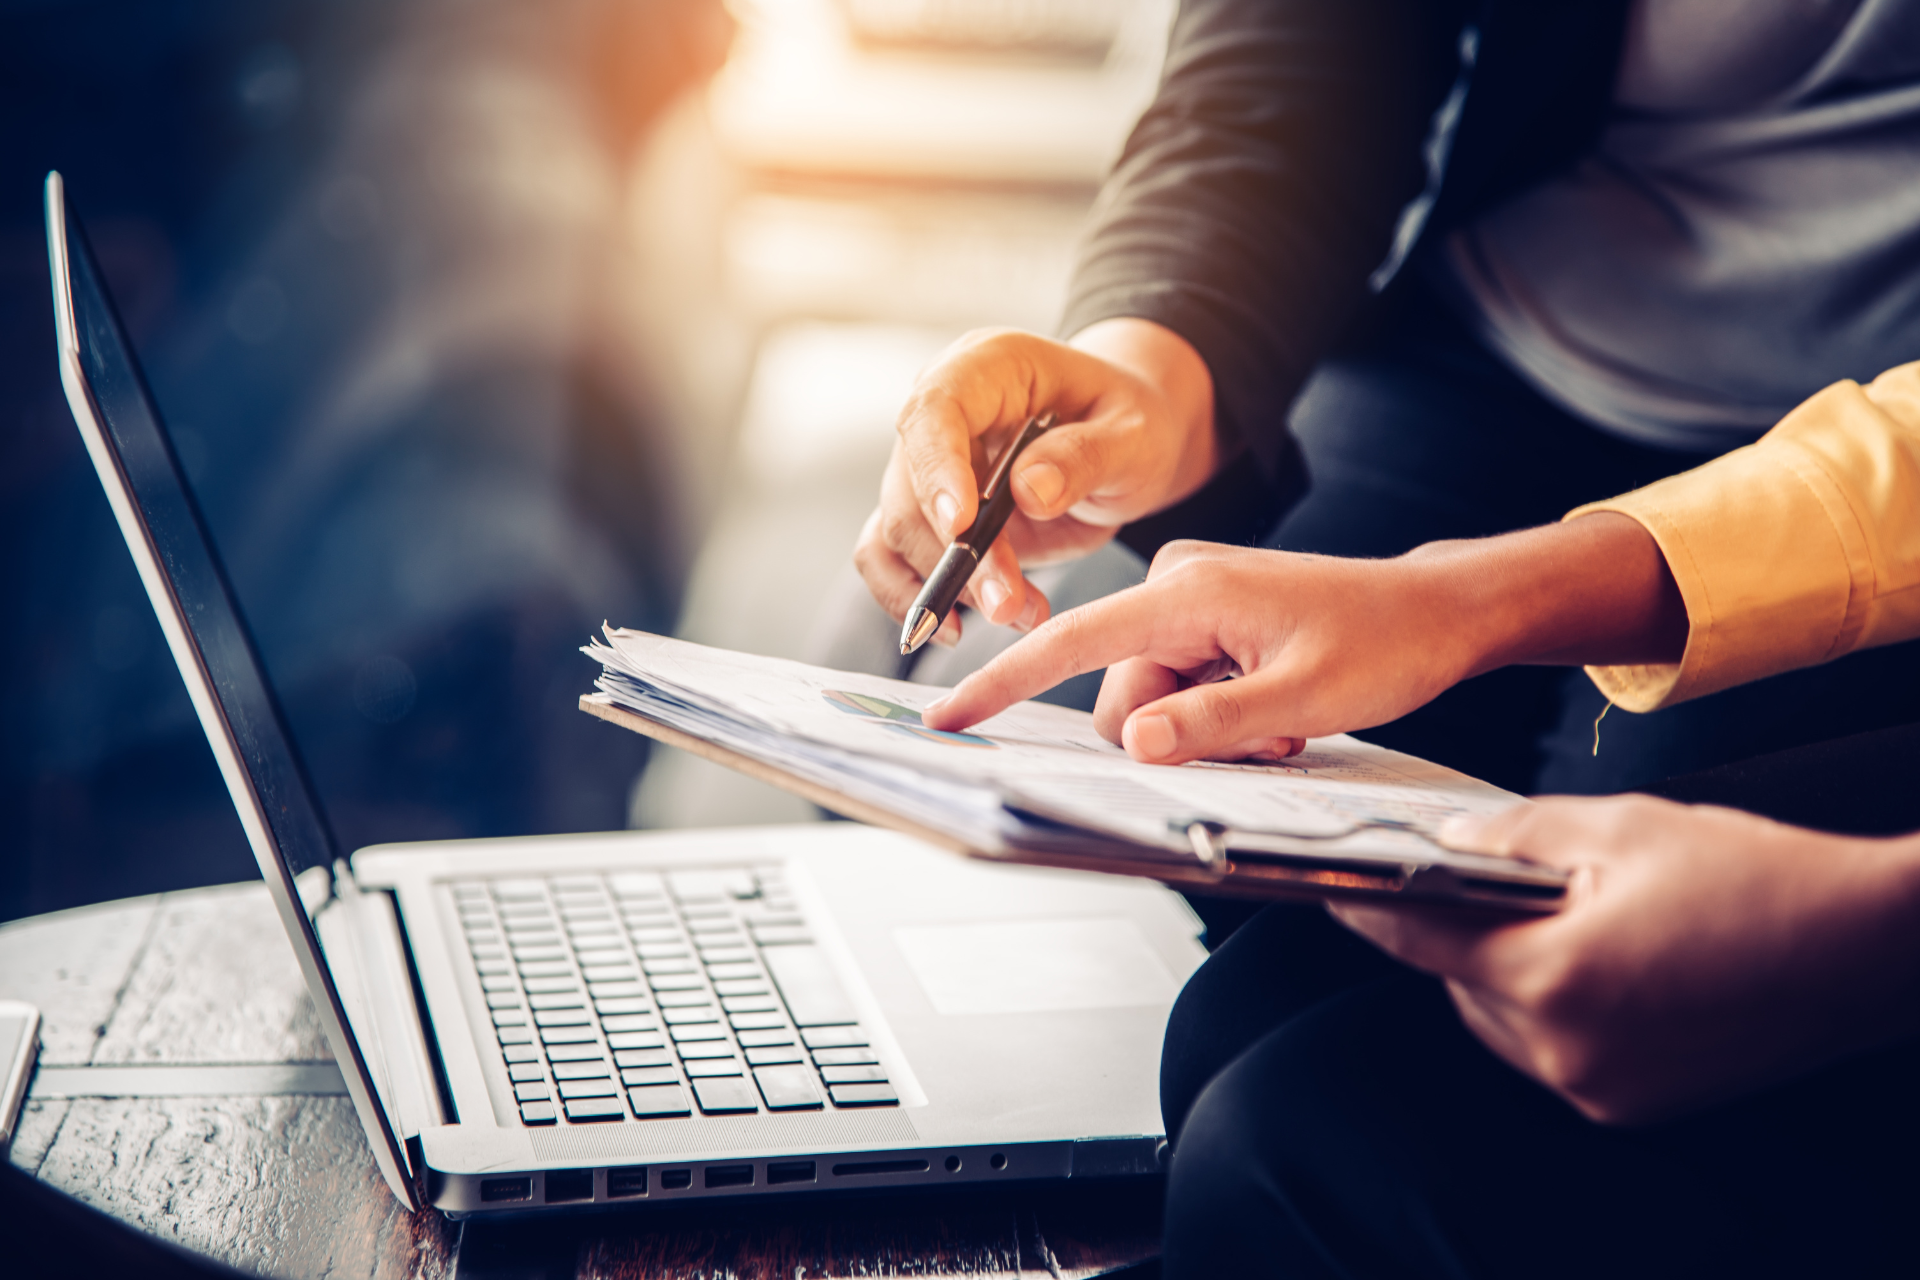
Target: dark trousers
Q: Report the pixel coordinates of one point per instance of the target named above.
(1413, 433)
(1332, 1117)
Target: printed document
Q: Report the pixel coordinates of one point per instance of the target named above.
(1033, 777)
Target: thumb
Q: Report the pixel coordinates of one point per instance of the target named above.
(1062, 468)
(1218, 721)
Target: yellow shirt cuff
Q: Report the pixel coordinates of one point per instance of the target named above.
(1792, 551)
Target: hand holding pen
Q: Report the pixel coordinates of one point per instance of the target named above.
(1135, 435)
(950, 577)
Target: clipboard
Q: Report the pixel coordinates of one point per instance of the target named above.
(1366, 863)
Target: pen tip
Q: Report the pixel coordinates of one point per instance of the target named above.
(921, 623)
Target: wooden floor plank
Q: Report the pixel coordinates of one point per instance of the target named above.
(33, 1135)
(71, 965)
(278, 1186)
(217, 982)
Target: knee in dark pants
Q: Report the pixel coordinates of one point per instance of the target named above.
(1280, 963)
(1290, 1165)
(1241, 1194)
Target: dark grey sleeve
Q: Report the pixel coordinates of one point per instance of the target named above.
(1262, 188)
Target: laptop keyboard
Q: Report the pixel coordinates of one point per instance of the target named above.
(643, 996)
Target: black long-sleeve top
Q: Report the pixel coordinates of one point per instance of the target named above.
(1288, 143)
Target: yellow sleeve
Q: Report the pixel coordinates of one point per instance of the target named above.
(1793, 551)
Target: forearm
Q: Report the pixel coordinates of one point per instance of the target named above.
(1589, 591)
(1262, 186)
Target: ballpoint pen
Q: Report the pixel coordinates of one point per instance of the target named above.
(949, 578)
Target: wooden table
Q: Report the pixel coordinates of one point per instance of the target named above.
(184, 1087)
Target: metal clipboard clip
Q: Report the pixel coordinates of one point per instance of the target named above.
(1406, 868)
(1213, 841)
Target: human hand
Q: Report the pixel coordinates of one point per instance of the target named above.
(1325, 645)
(1135, 404)
(1702, 953)
(1320, 644)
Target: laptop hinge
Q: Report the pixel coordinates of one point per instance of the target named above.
(399, 1025)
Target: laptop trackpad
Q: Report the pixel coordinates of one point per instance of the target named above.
(1036, 966)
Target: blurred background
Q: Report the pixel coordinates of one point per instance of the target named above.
(478, 323)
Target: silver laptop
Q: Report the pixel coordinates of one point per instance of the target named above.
(628, 1018)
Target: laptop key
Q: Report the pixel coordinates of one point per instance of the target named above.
(520, 1053)
(551, 951)
(637, 1040)
(654, 967)
(750, 1004)
(812, 989)
(698, 1031)
(863, 1095)
(733, 971)
(556, 999)
(615, 990)
(779, 935)
(531, 1092)
(601, 955)
(725, 1096)
(575, 1017)
(492, 982)
(696, 1013)
(769, 1021)
(636, 884)
(655, 935)
(508, 999)
(494, 968)
(607, 972)
(762, 1039)
(601, 1088)
(700, 1068)
(688, 981)
(574, 1053)
(525, 1072)
(843, 1057)
(596, 1069)
(832, 1037)
(787, 1088)
(537, 1113)
(704, 1049)
(546, 969)
(642, 1058)
(624, 1004)
(658, 1100)
(629, 1022)
(568, 1035)
(581, 1109)
(640, 1076)
(775, 1056)
(684, 999)
(869, 1074)
(514, 1035)
(514, 1017)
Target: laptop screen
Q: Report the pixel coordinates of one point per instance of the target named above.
(127, 415)
(189, 590)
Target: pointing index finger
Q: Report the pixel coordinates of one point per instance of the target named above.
(1085, 639)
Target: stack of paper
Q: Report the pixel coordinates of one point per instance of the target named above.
(1034, 778)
